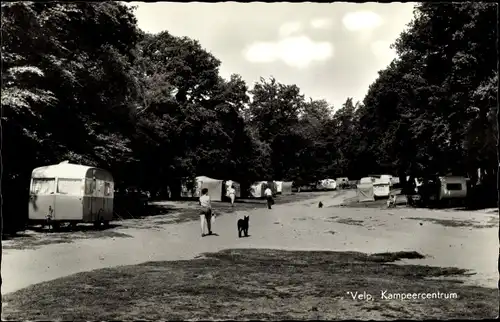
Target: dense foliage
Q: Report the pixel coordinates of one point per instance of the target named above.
(81, 82)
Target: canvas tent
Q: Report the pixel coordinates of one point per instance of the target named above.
(286, 188)
(279, 186)
(236, 185)
(273, 186)
(257, 189)
(214, 187)
(365, 190)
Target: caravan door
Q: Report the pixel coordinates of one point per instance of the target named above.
(42, 198)
(97, 199)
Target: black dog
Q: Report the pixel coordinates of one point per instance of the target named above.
(320, 205)
(243, 226)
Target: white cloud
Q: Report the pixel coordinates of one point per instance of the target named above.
(289, 28)
(321, 23)
(297, 52)
(361, 20)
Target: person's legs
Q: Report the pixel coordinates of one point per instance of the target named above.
(202, 222)
(232, 200)
(208, 218)
(269, 202)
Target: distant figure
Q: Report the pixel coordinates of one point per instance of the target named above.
(232, 194)
(269, 196)
(169, 193)
(320, 205)
(243, 226)
(391, 202)
(206, 212)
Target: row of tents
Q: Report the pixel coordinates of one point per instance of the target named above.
(218, 189)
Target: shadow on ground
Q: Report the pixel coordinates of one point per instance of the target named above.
(251, 284)
(37, 236)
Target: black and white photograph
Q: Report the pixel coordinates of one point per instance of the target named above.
(238, 161)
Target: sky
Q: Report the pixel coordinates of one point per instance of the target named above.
(332, 51)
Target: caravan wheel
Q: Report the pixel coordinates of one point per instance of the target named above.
(97, 224)
(106, 224)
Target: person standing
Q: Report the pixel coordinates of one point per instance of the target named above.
(206, 212)
(268, 193)
(232, 194)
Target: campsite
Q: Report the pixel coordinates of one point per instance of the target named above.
(92, 262)
(361, 141)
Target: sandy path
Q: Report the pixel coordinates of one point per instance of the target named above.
(299, 226)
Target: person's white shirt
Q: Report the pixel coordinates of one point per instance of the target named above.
(231, 191)
(205, 201)
(268, 192)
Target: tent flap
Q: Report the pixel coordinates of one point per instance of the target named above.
(286, 188)
(279, 186)
(365, 192)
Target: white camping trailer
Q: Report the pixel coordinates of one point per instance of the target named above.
(71, 193)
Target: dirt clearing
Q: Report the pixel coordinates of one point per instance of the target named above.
(156, 216)
(245, 284)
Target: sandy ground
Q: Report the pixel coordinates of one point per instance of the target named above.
(297, 226)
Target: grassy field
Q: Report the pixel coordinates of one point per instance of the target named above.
(154, 217)
(255, 284)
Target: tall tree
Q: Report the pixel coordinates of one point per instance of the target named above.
(65, 87)
(274, 113)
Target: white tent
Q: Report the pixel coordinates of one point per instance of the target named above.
(214, 187)
(279, 186)
(286, 188)
(257, 190)
(365, 190)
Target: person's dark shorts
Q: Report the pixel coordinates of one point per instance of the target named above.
(207, 213)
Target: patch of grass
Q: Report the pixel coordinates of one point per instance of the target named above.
(39, 238)
(350, 221)
(392, 257)
(492, 222)
(456, 222)
(256, 284)
(353, 203)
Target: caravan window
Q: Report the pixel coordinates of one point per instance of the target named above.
(89, 186)
(43, 186)
(100, 186)
(107, 189)
(70, 187)
(454, 186)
